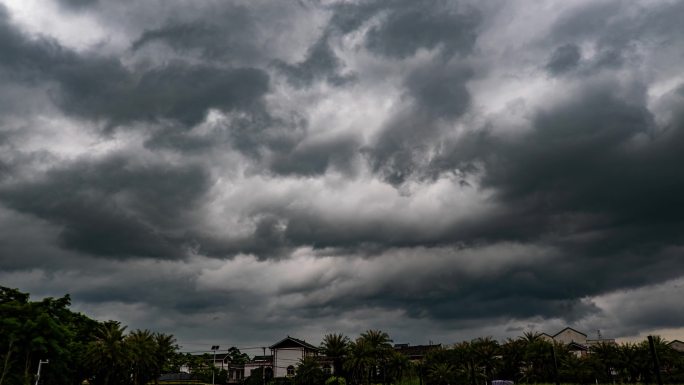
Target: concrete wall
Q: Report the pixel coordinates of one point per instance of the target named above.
(284, 358)
(568, 335)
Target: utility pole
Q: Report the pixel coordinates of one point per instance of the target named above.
(213, 363)
(654, 356)
(263, 368)
(40, 363)
(555, 363)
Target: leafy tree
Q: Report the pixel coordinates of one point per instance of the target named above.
(335, 380)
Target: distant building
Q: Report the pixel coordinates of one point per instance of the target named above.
(677, 345)
(259, 362)
(222, 361)
(576, 341)
(570, 335)
(288, 352)
(415, 353)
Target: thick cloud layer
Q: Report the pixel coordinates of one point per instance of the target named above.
(251, 170)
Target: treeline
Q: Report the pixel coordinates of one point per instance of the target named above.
(78, 348)
(371, 359)
(530, 359)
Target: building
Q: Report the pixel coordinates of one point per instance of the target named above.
(260, 362)
(570, 335)
(576, 341)
(288, 352)
(415, 353)
(677, 346)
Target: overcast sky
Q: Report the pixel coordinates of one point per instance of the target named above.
(235, 172)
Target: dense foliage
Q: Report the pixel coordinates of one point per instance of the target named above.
(103, 353)
(530, 359)
(78, 348)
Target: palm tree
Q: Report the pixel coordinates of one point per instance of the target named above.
(441, 373)
(165, 351)
(512, 353)
(379, 345)
(108, 354)
(538, 360)
(142, 348)
(486, 353)
(308, 372)
(397, 365)
(358, 361)
(336, 346)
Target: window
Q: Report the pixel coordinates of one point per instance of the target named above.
(290, 371)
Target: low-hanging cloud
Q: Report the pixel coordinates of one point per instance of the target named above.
(252, 170)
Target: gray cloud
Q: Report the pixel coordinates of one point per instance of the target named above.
(564, 58)
(114, 207)
(404, 165)
(437, 94)
(320, 63)
(226, 34)
(103, 88)
(409, 26)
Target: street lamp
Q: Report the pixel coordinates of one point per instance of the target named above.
(214, 348)
(40, 363)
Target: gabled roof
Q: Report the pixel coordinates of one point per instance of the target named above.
(675, 342)
(291, 342)
(261, 359)
(569, 328)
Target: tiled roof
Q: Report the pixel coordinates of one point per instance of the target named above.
(296, 341)
(569, 328)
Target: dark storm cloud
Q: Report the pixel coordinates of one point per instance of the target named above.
(320, 63)
(594, 174)
(594, 179)
(618, 27)
(26, 58)
(226, 34)
(437, 94)
(114, 207)
(358, 162)
(316, 158)
(563, 59)
(77, 4)
(103, 88)
(411, 25)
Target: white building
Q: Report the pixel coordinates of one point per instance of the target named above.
(287, 353)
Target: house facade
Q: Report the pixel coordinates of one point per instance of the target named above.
(576, 341)
(288, 352)
(570, 335)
